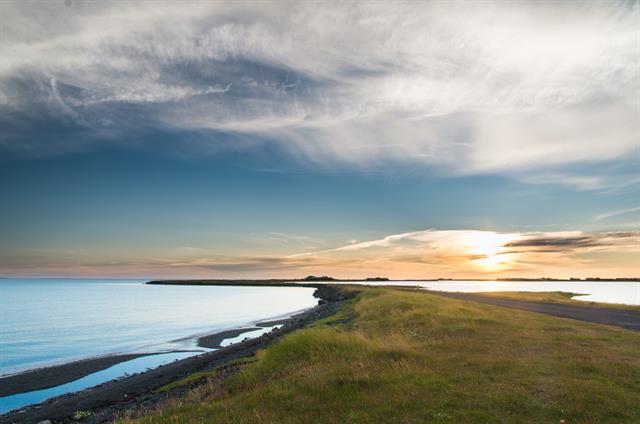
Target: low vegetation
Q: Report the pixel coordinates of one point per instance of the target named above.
(411, 357)
(203, 375)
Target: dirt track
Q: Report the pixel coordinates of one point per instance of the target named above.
(625, 318)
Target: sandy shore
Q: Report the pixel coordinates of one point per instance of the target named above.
(55, 375)
(212, 341)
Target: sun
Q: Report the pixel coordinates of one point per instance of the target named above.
(494, 262)
(490, 247)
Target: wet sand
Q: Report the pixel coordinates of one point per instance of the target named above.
(212, 341)
(55, 375)
(272, 323)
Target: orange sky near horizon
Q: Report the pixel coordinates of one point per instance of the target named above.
(424, 254)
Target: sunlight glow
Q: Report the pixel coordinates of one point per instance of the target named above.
(494, 262)
(491, 245)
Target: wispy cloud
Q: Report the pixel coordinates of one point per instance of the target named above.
(460, 87)
(612, 214)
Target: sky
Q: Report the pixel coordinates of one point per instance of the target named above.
(472, 139)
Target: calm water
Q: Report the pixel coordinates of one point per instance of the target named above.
(52, 321)
(623, 292)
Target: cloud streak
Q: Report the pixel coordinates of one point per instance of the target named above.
(463, 88)
(612, 214)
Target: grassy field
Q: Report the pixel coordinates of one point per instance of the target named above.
(556, 297)
(400, 356)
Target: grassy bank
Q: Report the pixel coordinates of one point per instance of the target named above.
(403, 356)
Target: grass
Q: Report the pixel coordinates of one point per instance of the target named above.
(203, 375)
(557, 297)
(403, 356)
(196, 376)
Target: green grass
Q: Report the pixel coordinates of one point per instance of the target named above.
(344, 315)
(203, 375)
(556, 297)
(413, 357)
(196, 376)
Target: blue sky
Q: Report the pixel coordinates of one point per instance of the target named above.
(246, 140)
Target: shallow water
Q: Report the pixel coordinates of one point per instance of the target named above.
(122, 369)
(133, 366)
(247, 335)
(44, 322)
(623, 292)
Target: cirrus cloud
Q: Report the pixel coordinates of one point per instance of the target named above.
(464, 88)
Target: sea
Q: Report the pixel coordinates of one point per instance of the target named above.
(50, 321)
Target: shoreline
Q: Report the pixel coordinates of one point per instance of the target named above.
(212, 341)
(54, 375)
(112, 397)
